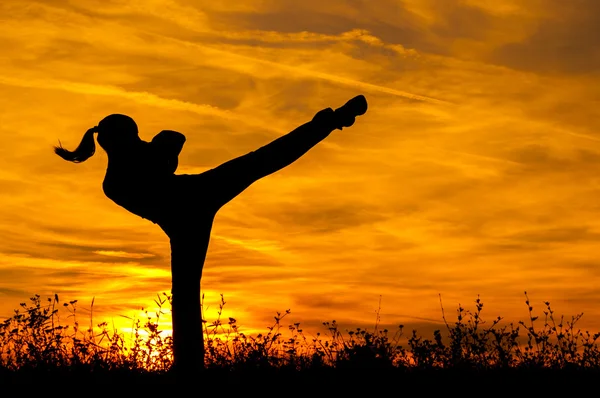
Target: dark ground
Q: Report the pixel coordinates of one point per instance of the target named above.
(275, 383)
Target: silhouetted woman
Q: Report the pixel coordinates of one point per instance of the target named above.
(140, 177)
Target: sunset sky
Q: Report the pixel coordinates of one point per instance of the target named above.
(475, 170)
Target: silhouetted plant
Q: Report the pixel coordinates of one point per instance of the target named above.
(37, 338)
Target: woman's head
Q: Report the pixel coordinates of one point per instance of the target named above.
(115, 133)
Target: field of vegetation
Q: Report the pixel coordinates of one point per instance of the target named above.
(543, 352)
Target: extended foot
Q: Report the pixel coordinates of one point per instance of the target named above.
(348, 112)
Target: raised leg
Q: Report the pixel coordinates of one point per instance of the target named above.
(233, 177)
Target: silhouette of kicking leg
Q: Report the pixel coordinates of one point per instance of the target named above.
(231, 178)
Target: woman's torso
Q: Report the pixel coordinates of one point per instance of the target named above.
(139, 181)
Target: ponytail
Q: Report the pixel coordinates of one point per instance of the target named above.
(85, 150)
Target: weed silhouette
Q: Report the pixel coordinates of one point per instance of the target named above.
(44, 341)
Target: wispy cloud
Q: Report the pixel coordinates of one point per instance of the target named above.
(314, 74)
(144, 98)
(112, 253)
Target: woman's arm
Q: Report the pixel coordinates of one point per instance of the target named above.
(167, 146)
(170, 141)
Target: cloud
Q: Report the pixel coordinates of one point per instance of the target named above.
(246, 66)
(122, 254)
(557, 235)
(322, 218)
(141, 97)
(563, 42)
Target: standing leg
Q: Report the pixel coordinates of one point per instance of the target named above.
(188, 229)
(187, 260)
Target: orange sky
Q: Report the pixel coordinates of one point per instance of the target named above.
(475, 170)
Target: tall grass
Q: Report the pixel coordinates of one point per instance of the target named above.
(37, 337)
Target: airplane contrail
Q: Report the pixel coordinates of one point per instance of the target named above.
(310, 73)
